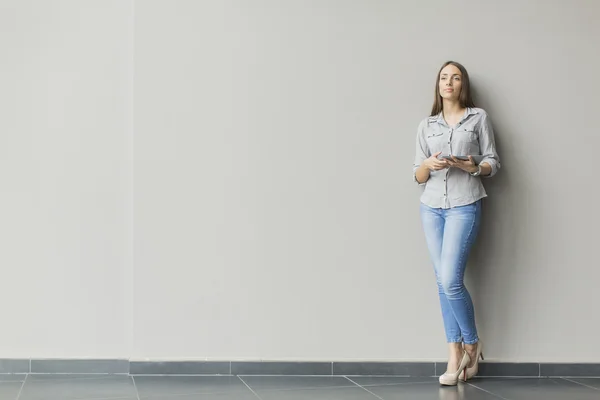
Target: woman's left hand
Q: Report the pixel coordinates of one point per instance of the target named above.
(467, 165)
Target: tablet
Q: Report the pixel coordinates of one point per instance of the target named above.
(476, 158)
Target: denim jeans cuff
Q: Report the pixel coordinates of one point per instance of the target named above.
(473, 341)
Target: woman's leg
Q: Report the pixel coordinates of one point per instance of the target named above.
(433, 226)
(460, 230)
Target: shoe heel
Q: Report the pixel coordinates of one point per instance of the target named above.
(452, 379)
(481, 355)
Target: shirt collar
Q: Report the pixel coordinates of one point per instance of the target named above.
(440, 117)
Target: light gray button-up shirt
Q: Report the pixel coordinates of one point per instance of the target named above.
(473, 135)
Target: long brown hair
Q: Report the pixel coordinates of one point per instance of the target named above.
(464, 98)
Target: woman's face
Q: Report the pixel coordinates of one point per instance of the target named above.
(450, 82)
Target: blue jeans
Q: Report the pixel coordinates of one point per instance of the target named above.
(450, 234)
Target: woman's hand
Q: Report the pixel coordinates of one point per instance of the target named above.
(434, 164)
(467, 166)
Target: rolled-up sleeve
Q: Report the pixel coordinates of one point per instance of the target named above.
(422, 151)
(487, 146)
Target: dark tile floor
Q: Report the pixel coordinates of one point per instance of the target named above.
(123, 387)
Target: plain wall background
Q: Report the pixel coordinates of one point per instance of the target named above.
(66, 173)
(271, 214)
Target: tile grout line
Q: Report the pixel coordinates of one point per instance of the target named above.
(327, 376)
(364, 388)
(249, 388)
(295, 389)
(108, 398)
(579, 383)
(395, 384)
(178, 395)
(167, 374)
(22, 386)
(137, 393)
(487, 391)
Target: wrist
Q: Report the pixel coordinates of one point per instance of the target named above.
(476, 170)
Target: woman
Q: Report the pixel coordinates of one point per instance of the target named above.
(451, 205)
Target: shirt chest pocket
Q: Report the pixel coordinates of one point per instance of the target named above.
(466, 141)
(434, 138)
(465, 135)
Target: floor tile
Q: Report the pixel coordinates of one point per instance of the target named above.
(121, 387)
(390, 380)
(65, 387)
(536, 388)
(339, 393)
(389, 388)
(214, 396)
(592, 382)
(10, 390)
(150, 386)
(261, 383)
(306, 387)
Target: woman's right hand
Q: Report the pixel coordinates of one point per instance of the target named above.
(434, 164)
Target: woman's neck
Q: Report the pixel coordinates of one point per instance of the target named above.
(452, 109)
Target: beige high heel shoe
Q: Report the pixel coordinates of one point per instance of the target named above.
(472, 371)
(448, 379)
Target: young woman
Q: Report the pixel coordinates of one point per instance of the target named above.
(451, 205)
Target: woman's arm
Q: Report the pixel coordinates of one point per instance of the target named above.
(422, 174)
(487, 146)
(486, 169)
(420, 171)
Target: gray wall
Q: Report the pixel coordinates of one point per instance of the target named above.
(271, 213)
(275, 214)
(65, 178)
